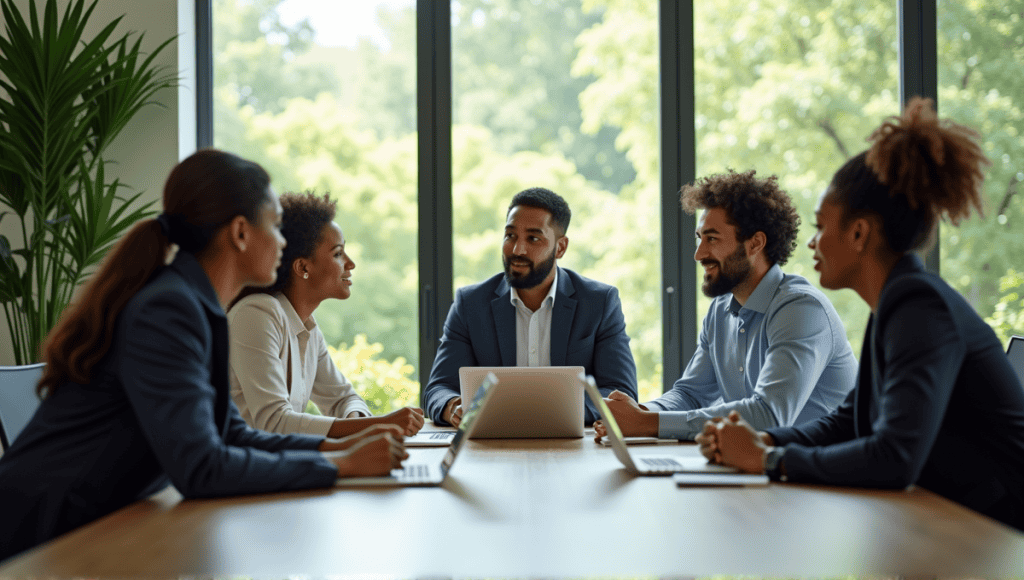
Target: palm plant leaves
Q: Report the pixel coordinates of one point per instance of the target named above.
(63, 99)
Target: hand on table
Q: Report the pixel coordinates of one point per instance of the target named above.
(453, 412)
(634, 419)
(370, 456)
(732, 441)
(343, 443)
(408, 419)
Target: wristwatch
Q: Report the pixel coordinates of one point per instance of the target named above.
(773, 463)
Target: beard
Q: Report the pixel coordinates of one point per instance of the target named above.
(532, 277)
(731, 273)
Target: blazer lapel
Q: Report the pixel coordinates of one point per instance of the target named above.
(561, 319)
(504, 323)
(867, 381)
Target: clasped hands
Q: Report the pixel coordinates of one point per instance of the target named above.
(732, 441)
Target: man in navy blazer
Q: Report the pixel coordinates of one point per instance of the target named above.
(535, 314)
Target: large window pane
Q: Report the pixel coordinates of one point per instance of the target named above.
(323, 95)
(793, 88)
(563, 94)
(981, 81)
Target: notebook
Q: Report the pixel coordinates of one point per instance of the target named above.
(645, 464)
(426, 474)
(529, 402)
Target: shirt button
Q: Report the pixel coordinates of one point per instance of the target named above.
(742, 330)
(533, 350)
(741, 369)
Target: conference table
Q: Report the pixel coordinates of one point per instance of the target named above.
(538, 508)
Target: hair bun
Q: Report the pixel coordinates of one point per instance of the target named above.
(933, 163)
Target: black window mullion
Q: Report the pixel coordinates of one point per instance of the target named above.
(434, 129)
(919, 72)
(678, 166)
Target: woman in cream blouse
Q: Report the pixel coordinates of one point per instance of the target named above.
(279, 358)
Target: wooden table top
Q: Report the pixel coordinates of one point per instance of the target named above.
(532, 508)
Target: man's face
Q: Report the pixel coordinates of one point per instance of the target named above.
(531, 246)
(724, 258)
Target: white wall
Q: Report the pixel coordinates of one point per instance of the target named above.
(159, 136)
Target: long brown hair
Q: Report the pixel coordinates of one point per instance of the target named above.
(202, 193)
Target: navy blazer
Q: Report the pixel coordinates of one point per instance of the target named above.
(936, 403)
(157, 408)
(587, 330)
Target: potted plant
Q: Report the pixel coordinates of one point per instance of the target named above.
(63, 100)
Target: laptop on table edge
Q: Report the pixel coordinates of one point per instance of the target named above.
(429, 474)
(645, 464)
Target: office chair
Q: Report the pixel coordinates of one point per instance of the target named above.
(18, 400)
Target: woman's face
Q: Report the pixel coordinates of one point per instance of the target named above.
(267, 243)
(835, 258)
(330, 269)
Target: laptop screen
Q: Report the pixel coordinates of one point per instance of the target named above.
(472, 412)
(1015, 352)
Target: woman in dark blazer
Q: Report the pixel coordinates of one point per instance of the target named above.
(136, 383)
(936, 403)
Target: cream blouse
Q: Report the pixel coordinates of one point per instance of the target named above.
(278, 363)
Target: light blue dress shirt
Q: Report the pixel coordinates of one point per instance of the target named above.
(781, 359)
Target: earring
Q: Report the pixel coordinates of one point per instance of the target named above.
(305, 275)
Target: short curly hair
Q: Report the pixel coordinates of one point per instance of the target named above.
(303, 219)
(753, 205)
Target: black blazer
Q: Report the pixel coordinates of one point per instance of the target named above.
(157, 409)
(587, 330)
(936, 404)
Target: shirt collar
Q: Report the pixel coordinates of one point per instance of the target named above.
(761, 297)
(549, 299)
(296, 326)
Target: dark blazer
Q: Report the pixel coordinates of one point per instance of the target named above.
(157, 409)
(936, 403)
(587, 329)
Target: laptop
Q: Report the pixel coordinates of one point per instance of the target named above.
(427, 474)
(1015, 352)
(530, 402)
(644, 464)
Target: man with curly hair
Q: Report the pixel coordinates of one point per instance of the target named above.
(772, 346)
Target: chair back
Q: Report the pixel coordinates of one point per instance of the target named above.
(18, 399)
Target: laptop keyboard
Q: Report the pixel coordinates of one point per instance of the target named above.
(415, 473)
(661, 463)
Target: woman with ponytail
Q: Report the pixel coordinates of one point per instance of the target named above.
(937, 403)
(136, 391)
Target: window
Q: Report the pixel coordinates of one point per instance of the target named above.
(981, 79)
(322, 94)
(563, 95)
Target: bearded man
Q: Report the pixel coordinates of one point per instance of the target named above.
(772, 346)
(534, 314)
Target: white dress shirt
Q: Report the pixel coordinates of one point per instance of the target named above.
(533, 329)
(278, 363)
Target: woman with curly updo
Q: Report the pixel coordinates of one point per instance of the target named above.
(937, 403)
(279, 358)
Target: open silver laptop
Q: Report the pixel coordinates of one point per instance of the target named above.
(529, 402)
(1015, 352)
(644, 464)
(427, 474)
